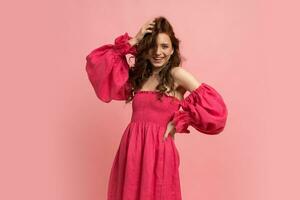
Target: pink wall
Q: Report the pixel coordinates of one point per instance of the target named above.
(58, 139)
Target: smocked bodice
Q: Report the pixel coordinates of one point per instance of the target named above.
(147, 107)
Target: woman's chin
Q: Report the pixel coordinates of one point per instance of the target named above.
(157, 64)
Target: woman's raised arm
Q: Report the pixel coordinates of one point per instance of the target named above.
(108, 70)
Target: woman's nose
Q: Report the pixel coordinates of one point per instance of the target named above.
(158, 51)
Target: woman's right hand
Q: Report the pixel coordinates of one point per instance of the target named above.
(146, 28)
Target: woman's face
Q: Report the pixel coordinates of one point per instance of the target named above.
(164, 50)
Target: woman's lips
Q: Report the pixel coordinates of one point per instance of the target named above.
(157, 59)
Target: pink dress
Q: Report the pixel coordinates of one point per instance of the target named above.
(146, 166)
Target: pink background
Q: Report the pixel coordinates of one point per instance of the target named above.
(58, 140)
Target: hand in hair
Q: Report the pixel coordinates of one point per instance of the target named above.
(146, 28)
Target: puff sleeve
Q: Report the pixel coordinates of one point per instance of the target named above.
(108, 70)
(204, 109)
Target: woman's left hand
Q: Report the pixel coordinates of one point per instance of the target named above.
(170, 130)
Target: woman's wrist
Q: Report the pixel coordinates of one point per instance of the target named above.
(133, 41)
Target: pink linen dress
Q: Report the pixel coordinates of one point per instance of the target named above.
(146, 167)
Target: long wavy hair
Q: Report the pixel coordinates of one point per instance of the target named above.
(142, 69)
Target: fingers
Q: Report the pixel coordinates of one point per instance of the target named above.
(171, 133)
(170, 130)
(148, 31)
(166, 136)
(151, 20)
(149, 28)
(149, 25)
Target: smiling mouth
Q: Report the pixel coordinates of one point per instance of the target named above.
(157, 59)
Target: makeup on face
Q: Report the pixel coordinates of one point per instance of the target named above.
(163, 52)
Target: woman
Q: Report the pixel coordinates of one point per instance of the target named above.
(147, 161)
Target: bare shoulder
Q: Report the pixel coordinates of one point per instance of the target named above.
(184, 79)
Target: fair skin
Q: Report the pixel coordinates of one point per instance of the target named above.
(183, 80)
(163, 53)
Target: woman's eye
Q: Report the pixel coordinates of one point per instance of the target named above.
(165, 47)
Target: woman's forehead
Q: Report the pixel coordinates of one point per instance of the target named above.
(163, 38)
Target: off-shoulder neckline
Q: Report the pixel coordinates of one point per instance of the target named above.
(190, 95)
(156, 92)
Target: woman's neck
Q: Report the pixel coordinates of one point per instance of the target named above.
(156, 70)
